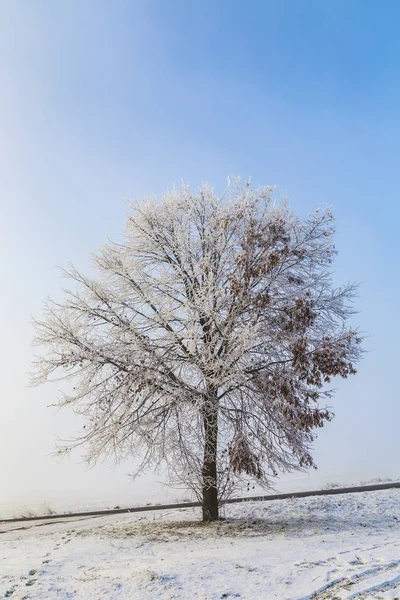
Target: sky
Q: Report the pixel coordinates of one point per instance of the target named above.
(105, 101)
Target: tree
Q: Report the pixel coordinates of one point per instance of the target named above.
(206, 339)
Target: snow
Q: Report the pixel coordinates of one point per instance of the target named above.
(342, 547)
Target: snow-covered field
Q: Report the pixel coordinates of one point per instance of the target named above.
(319, 548)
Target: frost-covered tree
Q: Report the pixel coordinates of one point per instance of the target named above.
(206, 340)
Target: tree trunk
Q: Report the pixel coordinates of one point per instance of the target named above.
(210, 488)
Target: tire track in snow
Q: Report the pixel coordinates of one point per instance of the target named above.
(382, 579)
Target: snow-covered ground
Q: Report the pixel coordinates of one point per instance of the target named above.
(318, 548)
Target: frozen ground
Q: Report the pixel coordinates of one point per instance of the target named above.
(319, 548)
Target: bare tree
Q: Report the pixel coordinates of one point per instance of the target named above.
(206, 340)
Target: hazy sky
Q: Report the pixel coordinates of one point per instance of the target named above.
(101, 101)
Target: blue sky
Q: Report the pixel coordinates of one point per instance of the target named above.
(103, 101)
